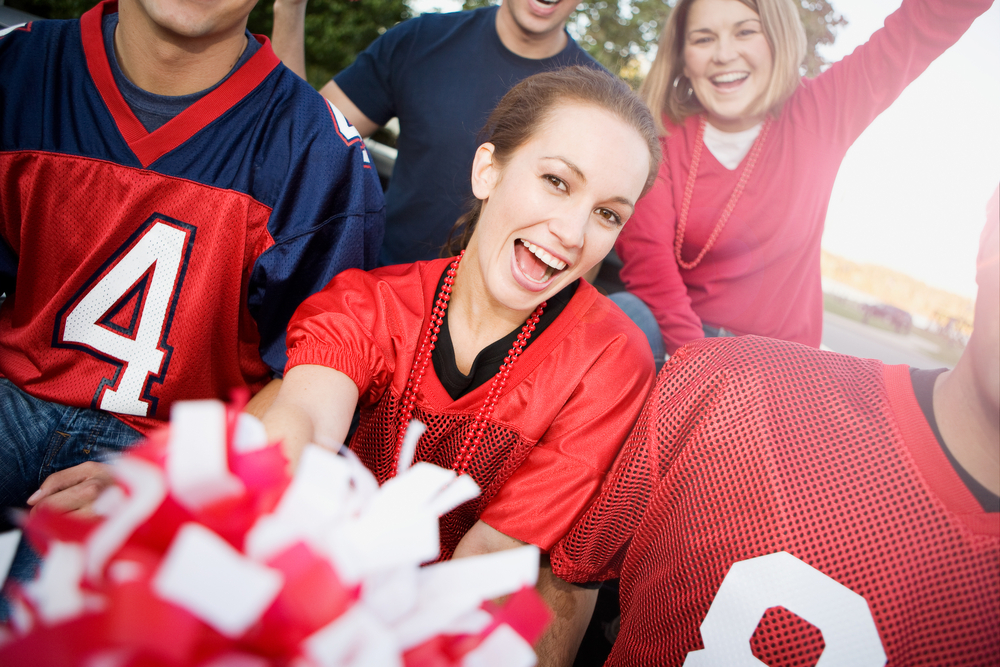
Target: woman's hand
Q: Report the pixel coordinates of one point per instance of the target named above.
(314, 404)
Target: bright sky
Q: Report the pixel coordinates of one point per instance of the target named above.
(911, 194)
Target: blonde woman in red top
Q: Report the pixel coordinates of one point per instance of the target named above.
(728, 241)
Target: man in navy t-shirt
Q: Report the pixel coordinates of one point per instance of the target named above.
(441, 75)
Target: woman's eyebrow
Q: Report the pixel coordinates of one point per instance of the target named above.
(575, 169)
(711, 32)
(624, 201)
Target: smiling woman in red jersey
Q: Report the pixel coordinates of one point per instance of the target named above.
(728, 241)
(526, 377)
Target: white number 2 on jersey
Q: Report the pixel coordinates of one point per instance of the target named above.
(753, 586)
(146, 274)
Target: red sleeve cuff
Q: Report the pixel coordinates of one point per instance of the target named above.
(338, 359)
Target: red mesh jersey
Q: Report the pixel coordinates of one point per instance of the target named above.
(557, 426)
(785, 502)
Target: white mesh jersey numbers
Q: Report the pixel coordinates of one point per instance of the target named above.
(161, 247)
(753, 586)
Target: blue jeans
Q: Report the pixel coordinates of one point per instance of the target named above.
(642, 316)
(38, 438)
(716, 332)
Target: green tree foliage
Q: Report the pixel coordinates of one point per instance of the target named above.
(820, 21)
(616, 32)
(336, 30)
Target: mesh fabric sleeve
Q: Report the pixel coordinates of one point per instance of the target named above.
(594, 548)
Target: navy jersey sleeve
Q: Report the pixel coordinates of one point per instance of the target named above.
(328, 216)
(371, 80)
(8, 258)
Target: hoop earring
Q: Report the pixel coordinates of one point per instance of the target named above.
(690, 90)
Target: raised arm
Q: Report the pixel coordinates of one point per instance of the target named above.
(288, 36)
(842, 101)
(289, 43)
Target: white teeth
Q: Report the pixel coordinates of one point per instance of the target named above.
(730, 77)
(556, 264)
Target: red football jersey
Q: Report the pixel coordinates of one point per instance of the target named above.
(153, 267)
(778, 503)
(558, 423)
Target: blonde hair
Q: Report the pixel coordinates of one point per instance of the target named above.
(784, 33)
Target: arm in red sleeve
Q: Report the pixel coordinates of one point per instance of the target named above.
(840, 103)
(650, 270)
(346, 327)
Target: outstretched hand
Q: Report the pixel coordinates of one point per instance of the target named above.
(73, 489)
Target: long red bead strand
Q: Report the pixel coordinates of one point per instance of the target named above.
(682, 217)
(422, 359)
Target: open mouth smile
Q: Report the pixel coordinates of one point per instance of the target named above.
(536, 264)
(729, 80)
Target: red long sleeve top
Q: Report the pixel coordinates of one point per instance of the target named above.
(762, 275)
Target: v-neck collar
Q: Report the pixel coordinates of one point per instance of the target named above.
(150, 146)
(432, 390)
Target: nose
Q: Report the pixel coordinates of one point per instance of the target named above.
(725, 50)
(570, 227)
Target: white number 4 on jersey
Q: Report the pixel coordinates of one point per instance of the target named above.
(140, 285)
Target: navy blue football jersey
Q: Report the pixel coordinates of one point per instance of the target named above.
(146, 267)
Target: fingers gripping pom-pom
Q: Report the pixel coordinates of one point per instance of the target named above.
(207, 554)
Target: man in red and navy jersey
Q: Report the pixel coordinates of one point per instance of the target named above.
(775, 503)
(169, 193)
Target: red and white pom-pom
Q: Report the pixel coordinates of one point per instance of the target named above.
(209, 555)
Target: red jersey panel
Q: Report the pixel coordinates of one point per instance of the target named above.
(160, 317)
(147, 267)
(779, 503)
(558, 424)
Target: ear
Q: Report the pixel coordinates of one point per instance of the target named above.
(485, 174)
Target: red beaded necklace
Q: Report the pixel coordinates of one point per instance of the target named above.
(423, 359)
(689, 190)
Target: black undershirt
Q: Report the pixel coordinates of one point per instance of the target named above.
(490, 358)
(923, 389)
